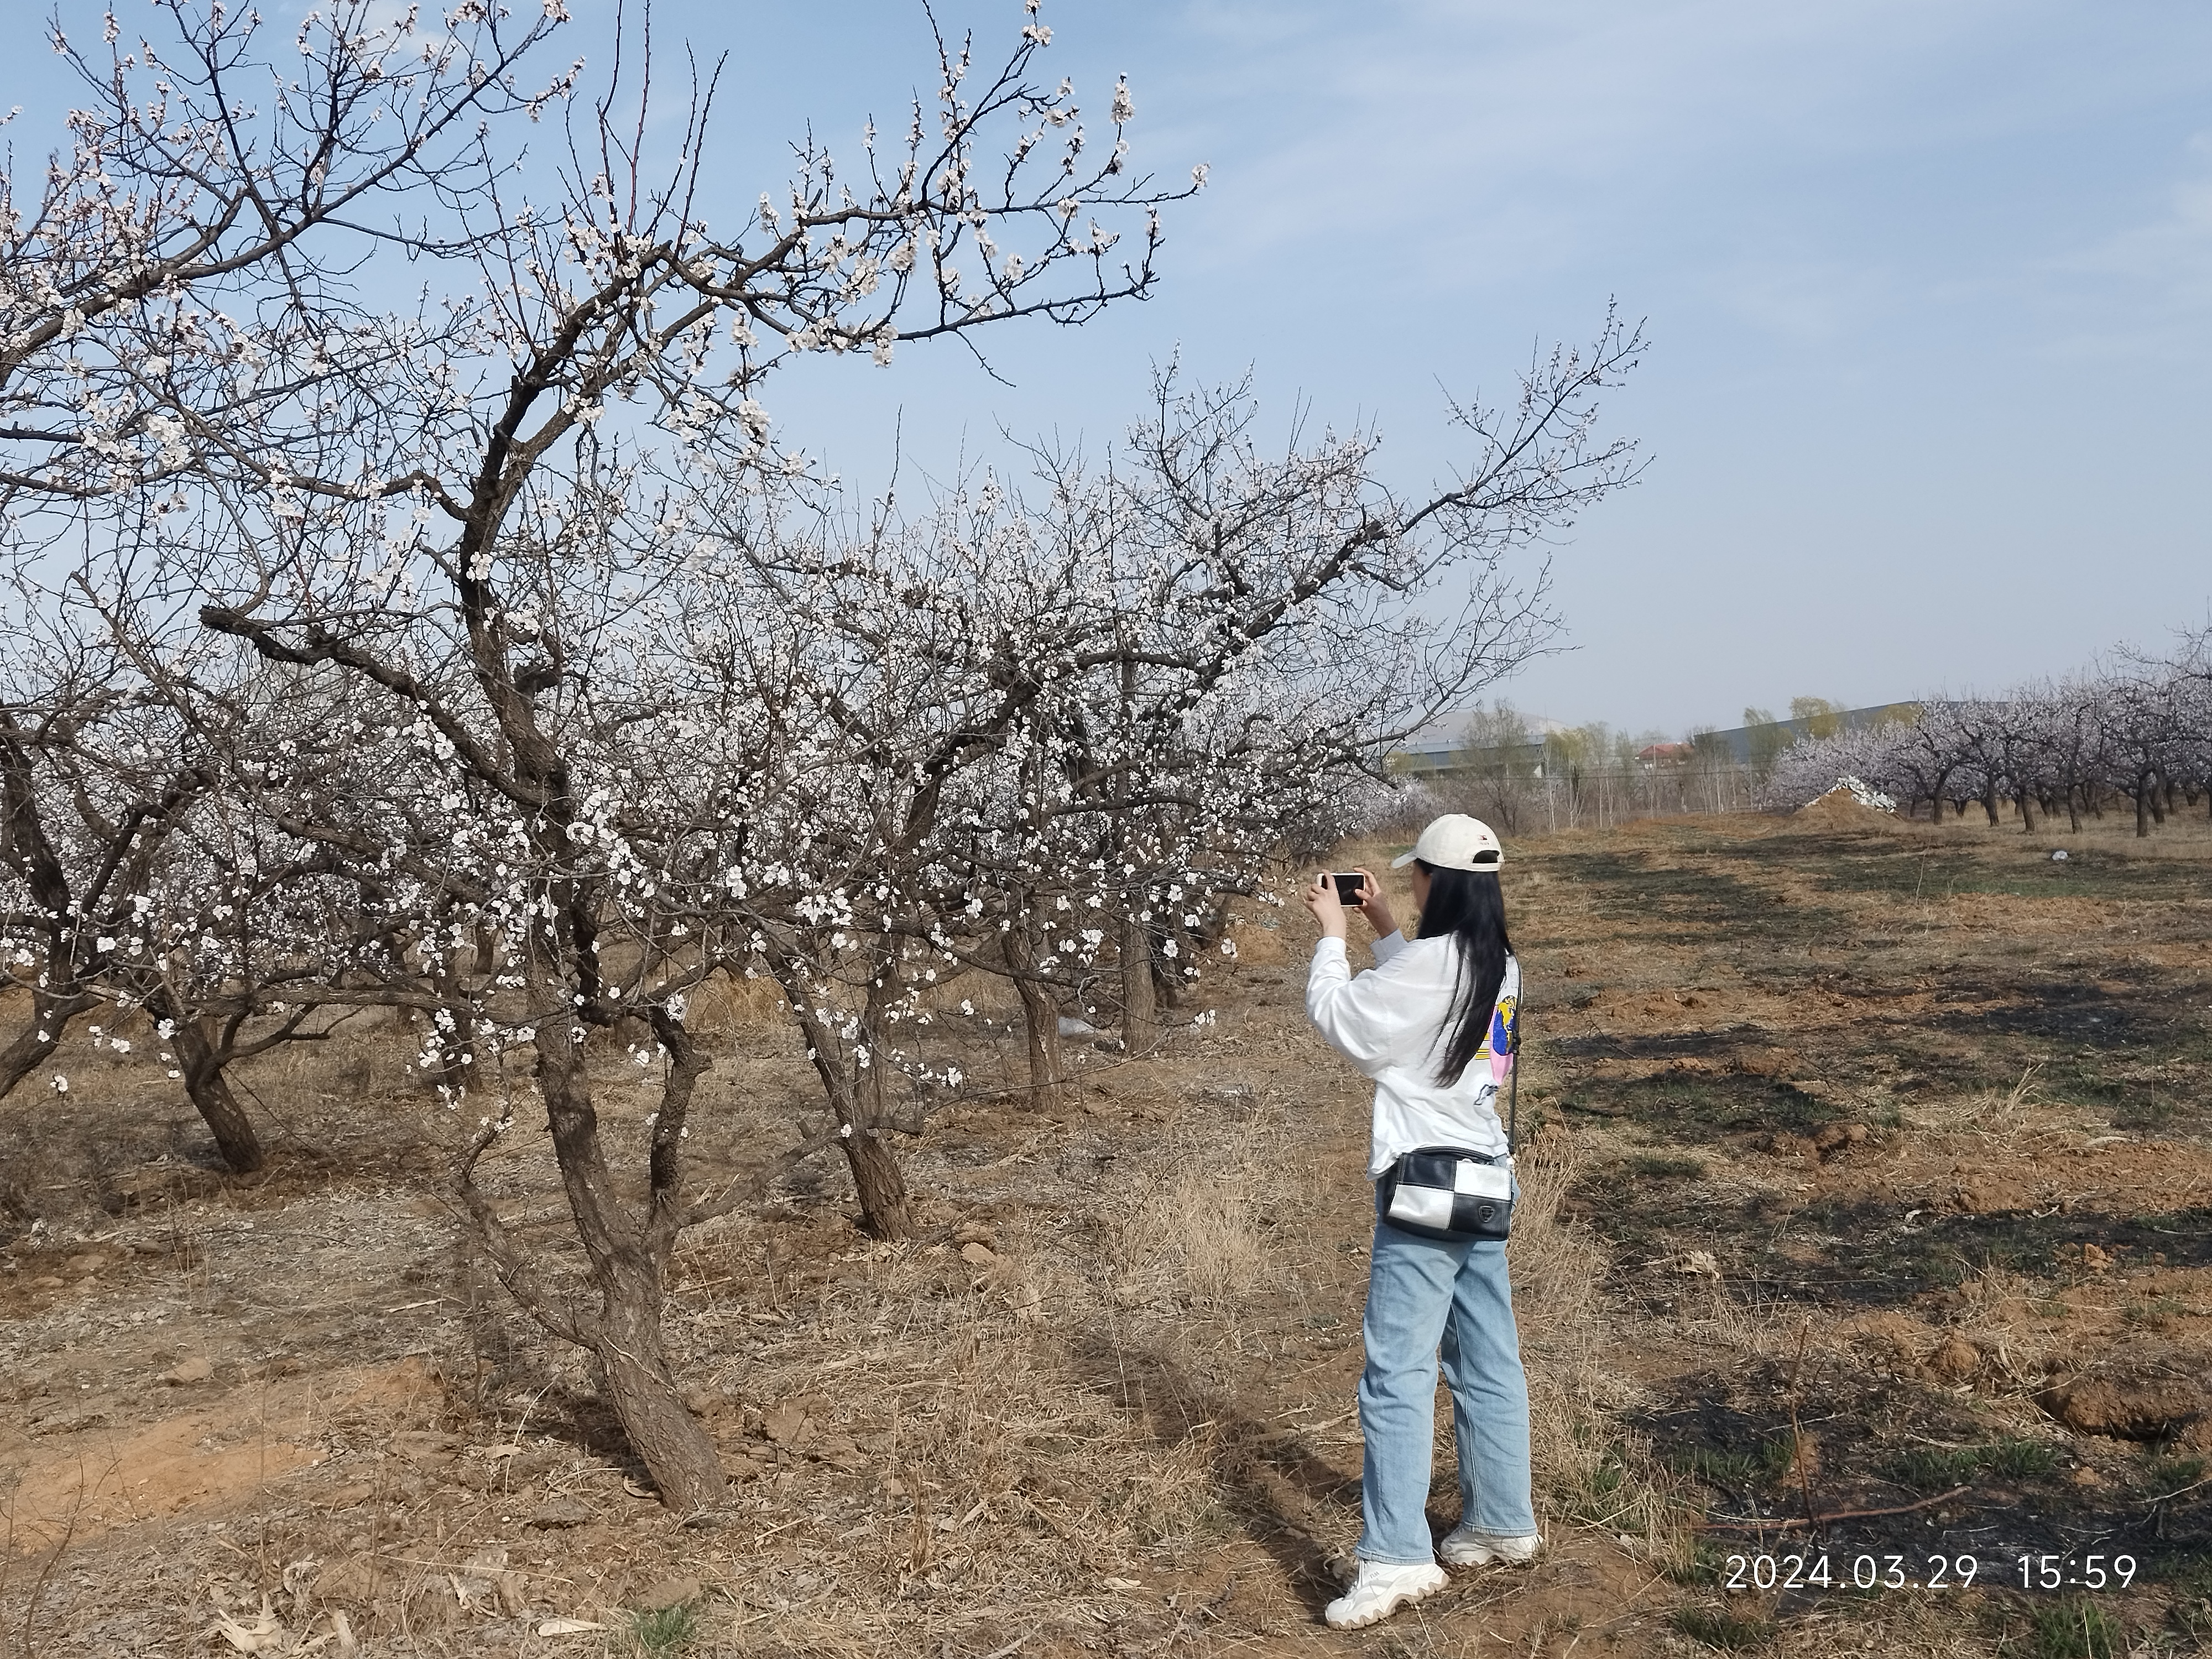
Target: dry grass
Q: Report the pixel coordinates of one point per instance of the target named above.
(1590, 1470)
(739, 1005)
(1197, 1239)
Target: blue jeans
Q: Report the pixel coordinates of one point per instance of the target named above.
(1423, 1294)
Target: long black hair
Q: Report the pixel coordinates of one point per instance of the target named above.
(1468, 906)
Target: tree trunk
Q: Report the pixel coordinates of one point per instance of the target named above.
(1989, 804)
(674, 1446)
(628, 1271)
(211, 1094)
(1141, 1011)
(1040, 1015)
(886, 1207)
(886, 1211)
(2074, 810)
(2142, 808)
(2027, 813)
(50, 1016)
(855, 1095)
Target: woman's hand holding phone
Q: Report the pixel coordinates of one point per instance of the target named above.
(1321, 898)
(1329, 909)
(1374, 905)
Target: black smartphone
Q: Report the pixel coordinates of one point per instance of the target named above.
(1348, 885)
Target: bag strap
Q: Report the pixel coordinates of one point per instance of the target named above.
(1513, 1074)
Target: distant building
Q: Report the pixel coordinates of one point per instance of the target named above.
(1446, 744)
(1736, 741)
(1665, 754)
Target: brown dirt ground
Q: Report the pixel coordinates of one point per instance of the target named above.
(1867, 1167)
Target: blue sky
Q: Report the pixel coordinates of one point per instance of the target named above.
(1928, 284)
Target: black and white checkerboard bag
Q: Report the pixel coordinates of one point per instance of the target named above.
(1449, 1193)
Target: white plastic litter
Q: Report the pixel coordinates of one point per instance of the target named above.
(1866, 794)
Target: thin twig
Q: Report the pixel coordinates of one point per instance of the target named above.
(1797, 1433)
(1732, 1524)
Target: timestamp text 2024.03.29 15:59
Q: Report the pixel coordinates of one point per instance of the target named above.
(1868, 1572)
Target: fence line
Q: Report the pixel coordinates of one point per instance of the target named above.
(1596, 796)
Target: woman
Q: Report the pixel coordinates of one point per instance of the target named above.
(1430, 1022)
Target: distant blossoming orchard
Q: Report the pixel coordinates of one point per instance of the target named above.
(2139, 732)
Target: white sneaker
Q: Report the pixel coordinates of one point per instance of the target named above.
(1379, 1590)
(1463, 1547)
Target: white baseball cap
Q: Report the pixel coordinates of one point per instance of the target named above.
(1455, 841)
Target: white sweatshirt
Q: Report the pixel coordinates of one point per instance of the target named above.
(1389, 1022)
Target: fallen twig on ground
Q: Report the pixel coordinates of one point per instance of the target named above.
(1732, 1524)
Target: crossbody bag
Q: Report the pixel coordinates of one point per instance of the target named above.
(1452, 1193)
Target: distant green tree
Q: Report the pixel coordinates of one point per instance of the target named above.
(1817, 716)
(1570, 755)
(1570, 752)
(1497, 745)
(1766, 738)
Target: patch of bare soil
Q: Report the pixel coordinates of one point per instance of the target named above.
(1910, 1205)
(1866, 1214)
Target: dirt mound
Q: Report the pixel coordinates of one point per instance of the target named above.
(1840, 810)
(2150, 1406)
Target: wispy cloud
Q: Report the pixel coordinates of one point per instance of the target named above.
(2160, 269)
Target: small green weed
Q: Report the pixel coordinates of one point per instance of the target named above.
(2077, 1628)
(1776, 1457)
(1701, 1566)
(1936, 1468)
(1656, 1166)
(1731, 1632)
(2158, 1313)
(2189, 1574)
(1730, 1471)
(2022, 1460)
(2172, 1474)
(2189, 1580)
(1595, 1496)
(665, 1630)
